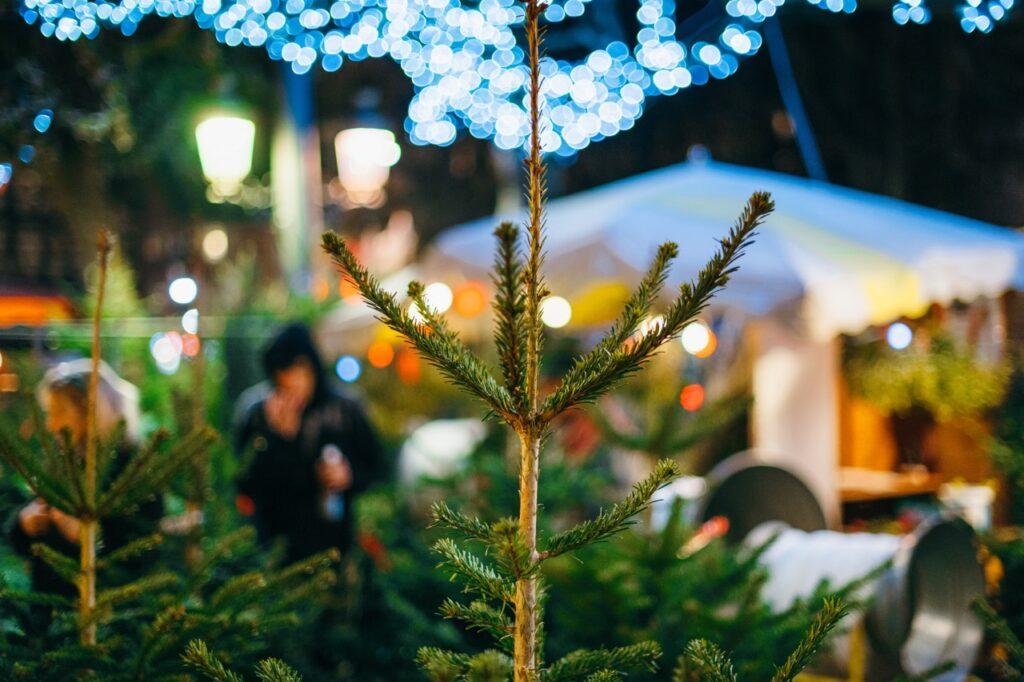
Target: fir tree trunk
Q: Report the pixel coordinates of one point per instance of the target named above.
(87, 581)
(526, 588)
(88, 523)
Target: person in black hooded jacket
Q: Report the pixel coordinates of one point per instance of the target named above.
(313, 450)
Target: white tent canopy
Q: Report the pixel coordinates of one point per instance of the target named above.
(839, 259)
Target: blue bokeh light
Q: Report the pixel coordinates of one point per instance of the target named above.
(468, 72)
(348, 368)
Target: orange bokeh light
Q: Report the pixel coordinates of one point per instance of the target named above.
(380, 354)
(190, 345)
(692, 397)
(470, 298)
(407, 365)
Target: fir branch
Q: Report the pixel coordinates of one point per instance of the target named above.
(64, 566)
(223, 547)
(1000, 631)
(580, 387)
(114, 596)
(489, 666)
(583, 662)
(833, 611)
(478, 615)
(613, 520)
(450, 356)
(440, 665)
(274, 670)
(131, 550)
(198, 656)
(513, 554)
(147, 473)
(705, 661)
(605, 676)
(479, 576)
(471, 527)
(509, 309)
(633, 314)
(27, 463)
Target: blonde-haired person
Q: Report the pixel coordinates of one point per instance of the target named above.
(62, 394)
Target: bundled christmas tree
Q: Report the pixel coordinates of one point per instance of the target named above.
(506, 585)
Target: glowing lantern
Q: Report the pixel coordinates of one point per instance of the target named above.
(225, 151)
(691, 397)
(380, 354)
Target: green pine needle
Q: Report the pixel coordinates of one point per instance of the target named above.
(273, 670)
(833, 611)
(1001, 632)
(198, 656)
(480, 616)
(705, 661)
(440, 665)
(579, 664)
(479, 577)
(617, 518)
(597, 374)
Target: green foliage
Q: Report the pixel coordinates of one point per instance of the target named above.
(1003, 634)
(511, 584)
(938, 378)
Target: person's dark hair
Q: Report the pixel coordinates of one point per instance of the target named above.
(292, 343)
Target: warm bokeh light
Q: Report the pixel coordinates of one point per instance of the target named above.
(380, 354)
(692, 397)
(215, 245)
(225, 151)
(407, 365)
(651, 324)
(710, 348)
(470, 298)
(555, 312)
(190, 345)
(695, 337)
(438, 296)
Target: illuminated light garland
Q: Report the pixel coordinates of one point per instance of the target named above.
(464, 62)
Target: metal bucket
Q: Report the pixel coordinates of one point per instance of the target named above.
(919, 613)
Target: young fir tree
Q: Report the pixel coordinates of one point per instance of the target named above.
(87, 487)
(136, 630)
(507, 588)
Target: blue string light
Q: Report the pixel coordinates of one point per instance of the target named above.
(467, 70)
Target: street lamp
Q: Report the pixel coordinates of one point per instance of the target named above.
(365, 157)
(365, 154)
(225, 151)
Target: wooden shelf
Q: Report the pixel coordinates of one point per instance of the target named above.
(865, 485)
